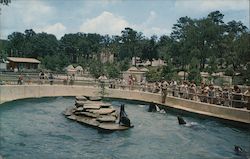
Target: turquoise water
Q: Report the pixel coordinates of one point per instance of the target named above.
(36, 129)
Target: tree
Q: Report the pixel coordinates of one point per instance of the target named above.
(124, 64)
(237, 50)
(16, 44)
(96, 68)
(194, 73)
(130, 46)
(164, 48)
(3, 49)
(149, 50)
(112, 70)
(153, 75)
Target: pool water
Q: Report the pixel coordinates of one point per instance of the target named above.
(36, 129)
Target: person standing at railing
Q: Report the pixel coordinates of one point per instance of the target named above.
(20, 79)
(164, 86)
(156, 88)
(185, 95)
(130, 82)
(219, 96)
(247, 98)
(41, 77)
(182, 89)
(123, 83)
(192, 91)
(211, 94)
(173, 86)
(200, 92)
(51, 78)
(237, 97)
(225, 97)
(28, 78)
(102, 80)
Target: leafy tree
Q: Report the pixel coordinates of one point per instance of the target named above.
(130, 46)
(124, 64)
(212, 66)
(16, 43)
(165, 47)
(149, 50)
(3, 49)
(112, 70)
(194, 73)
(169, 72)
(96, 68)
(246, 75)
(153, 75)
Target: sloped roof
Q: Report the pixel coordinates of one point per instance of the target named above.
(70, 67)
(79, 68)
(133, 69)
(144, 69)
(181, 73)
(24, 60)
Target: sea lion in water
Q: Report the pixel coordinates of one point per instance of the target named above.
(152, 107)
(124, 120)
(181, 121)
(240, 151)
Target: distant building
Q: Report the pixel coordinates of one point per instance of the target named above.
(137, 60)
(71, 70)
(22, 63)
(136, 73)
(154, 63)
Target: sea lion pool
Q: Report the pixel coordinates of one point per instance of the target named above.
(37, 129)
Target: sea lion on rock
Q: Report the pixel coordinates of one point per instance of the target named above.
(124, 120)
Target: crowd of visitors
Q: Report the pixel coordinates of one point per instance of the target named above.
(207, 93)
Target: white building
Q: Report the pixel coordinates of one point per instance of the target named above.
(136, 73)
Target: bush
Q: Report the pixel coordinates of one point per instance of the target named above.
(112, 71)
(153, 75)
(194, 75)
(96, 69)
(229, 71)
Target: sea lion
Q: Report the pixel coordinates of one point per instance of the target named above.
(124, 120)
(240, 151)
(152, 107)
(181, 121)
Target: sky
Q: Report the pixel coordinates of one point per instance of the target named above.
(151, 17)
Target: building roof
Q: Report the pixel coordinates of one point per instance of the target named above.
(70, 67)
(144, 69)
(133, 69)
(181, 73)
(79, 68)
(23, 60)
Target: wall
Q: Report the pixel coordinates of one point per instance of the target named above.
(13, 92)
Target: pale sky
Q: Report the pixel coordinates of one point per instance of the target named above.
(152, 17)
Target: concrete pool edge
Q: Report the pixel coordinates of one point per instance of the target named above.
(14, 92)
